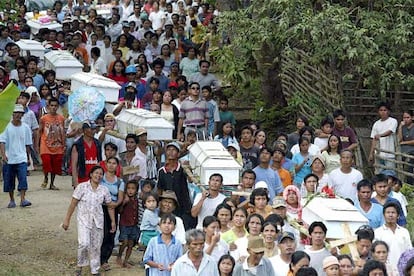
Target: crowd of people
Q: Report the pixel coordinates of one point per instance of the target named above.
(137, 192)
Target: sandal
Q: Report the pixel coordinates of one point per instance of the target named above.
(106, 267)
(44, 184)
(78, 272)
(53, 187)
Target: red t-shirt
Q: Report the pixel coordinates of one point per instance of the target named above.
(91, 160)
(129, 216)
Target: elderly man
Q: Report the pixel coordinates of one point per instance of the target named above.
(195, 261)
(105, 138)
(168, 204)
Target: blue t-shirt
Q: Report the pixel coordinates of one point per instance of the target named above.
(401, 221)
(374, 215)
(272, 179)
(304, 171)
(114, 187)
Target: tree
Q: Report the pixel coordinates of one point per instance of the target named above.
(366, 41)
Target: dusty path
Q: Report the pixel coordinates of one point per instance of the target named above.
(32, 242)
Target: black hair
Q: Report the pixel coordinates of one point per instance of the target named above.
(296, 257)
(379, 242)
(385, 104)
(365, 234)
(133, 136)
(258, 192)
(241, 209)
(408, 266)
(391, 204)
(266, 223)
(252, 216)
(266, 149)
(148, 195)
(224, 99)
(339, 149)
(308, 129)
(209, 220)
(380, 178)
(204, 61)
(275, 219)
(338, 112)
(168, 217)
(154, 79)
(302, 139)
(223, 206)
(96, 51)
(111, 145)
(52, 99)
(306, 271)
(93, 169)
(310, 175)
(327, 120)
(220, 128)
(248, 128)
(250, 171)
(227, 257)
(365, 183)
(304, 119)
(345, 256)
(218, 175)
(114, 158)
(371, 265)
(206, 87)
(25, 94)
(132, 181)
(318, 224)
(159, 62)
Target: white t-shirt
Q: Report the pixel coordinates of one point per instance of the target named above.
(403, 201)
(345, 184)
(157, 19)
(280, 267)
(313, 149)
(385, 143)
(322, 143)
(316, 258)
(208, 208)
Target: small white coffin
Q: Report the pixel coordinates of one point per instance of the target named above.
(108, 87)
(157, 127)
(333, 212)
(35, 26)
(208, 157)
(64, 64)
(30, 47)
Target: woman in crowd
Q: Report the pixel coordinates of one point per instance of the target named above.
(346, 265)
(118, 73)
(254, 226)
(406, 138)
(318, 168)
(307, 132)
(224, 214)
(302, 161)
(226, 265)
(291, 195)
(190, 64)
(331, 156)
(122, 40)
(260, 138)
(89, 197)
(214, 245)
(238, 230)
(226, 134)
(116, 187)
(259, 200)
(293, 137)
(168, 58)
(299, 259)
(169, 111)
(379, 252)
(270, 233)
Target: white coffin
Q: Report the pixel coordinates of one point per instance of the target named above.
(157, 127)
(208, 157)
(35, 26)
(30, 47)
(108, 87)
(63, 63)
(333, 212)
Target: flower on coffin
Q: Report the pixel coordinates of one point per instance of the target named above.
(328, 192)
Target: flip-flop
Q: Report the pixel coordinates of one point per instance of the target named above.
(106, 267)
(54, 188)
(12, 204)
(43, 185)
(25, 203)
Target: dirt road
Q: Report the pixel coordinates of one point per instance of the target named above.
(32, 241)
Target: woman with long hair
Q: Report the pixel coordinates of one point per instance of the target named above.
(169, 111)
(118, 72)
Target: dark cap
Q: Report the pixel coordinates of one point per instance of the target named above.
(89, 124)
(286, 235)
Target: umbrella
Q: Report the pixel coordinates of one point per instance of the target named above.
(7, 99)
(86, 103)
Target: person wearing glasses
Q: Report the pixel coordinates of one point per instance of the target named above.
(194, 114)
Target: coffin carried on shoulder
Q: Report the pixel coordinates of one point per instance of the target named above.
(129, 120)
(108, 87)
(30, 47)
(333, 212)
(209, 157)
(63, 63)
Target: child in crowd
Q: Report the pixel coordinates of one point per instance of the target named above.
(163, 250)
(302, 161)
(225, 114)
(226, 134)
(323, 134)
(214, 115)
(150, 218)
(396, 192)
(146, 187)
(128, 223)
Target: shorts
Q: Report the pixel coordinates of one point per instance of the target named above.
(10, 171)
(128, 233)
(147, 235)
(52, 163)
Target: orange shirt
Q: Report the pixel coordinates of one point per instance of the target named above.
(53, 135)
(285, 177)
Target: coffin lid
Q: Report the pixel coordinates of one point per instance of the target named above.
(59, 58)
(95, 80)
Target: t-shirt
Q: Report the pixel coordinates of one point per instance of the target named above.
(347, 136)
(250, 157)
(271, 178)
(407, 135)
(304, 171)
(316, 258)
(385, 143)
(227, 116)
(208, 207)
(16, 138)
(374, 214)
(332, 161)
(345, 184)
(280, 267)
(321, 142)
(53, 136)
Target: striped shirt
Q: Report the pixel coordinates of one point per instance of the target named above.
(194, 112)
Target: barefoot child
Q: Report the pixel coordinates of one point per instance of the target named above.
(150, 218)
(128, 224)
(163, 250)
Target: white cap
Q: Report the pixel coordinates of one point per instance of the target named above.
(261, 184)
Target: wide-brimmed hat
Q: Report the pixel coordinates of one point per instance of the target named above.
(330, 260)
(256, 244)
(168, 194)
(139, 131)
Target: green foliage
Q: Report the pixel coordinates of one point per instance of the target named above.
(370, 44)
